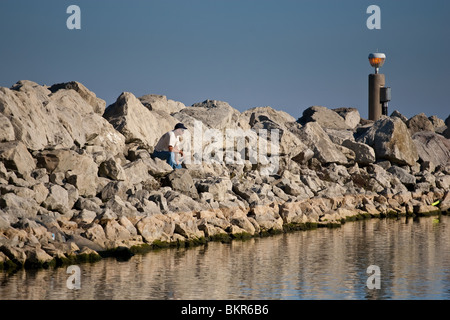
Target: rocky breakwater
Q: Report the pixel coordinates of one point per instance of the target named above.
(77, 181)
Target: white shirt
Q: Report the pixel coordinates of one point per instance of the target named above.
(168, 139)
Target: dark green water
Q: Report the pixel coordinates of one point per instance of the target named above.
(413, 258)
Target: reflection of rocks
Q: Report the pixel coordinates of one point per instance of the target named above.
(85, 182)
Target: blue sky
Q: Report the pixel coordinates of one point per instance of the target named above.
(287, 54)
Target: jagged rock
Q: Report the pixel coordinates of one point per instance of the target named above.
(42, 119)
(115, 188)
(87, 204)
(16, 255)
(116, 232)
(157, 167)
(4, 222)
(318, 141)
(339, 136)
(351, 116)
(15, 156)
(180, 180)
(6, 129)
(325, 117)
(158, 198)
(419, 123)
(137, 172)
(161, 103)
(397, 114)
(390, 139)
(136, 122)
(443, 182)
(97, 104)
(121, 207)
(432, 147)
(364, 154)
(96, 234)
(57, 199)
(155, 228)
(111, 169)
(214, 114)
(85, 217)
(36, 256)
(437, 122)
(186, 225)
(178, 202)
(80, 170)
(18, 207)
(405, 178)
(218, 187)
(251, 116)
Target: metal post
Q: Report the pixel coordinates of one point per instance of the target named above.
(376, 82)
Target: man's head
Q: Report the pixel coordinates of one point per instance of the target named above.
(179, 129)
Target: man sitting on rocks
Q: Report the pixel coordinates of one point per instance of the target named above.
(167, 146)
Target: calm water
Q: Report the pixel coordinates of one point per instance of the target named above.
(413, 257)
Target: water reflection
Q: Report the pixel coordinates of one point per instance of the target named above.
(413, 258)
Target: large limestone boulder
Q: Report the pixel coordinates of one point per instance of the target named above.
(6, 129)
(255, 114)
(432, 147)
(351, 116)
(180, 180)
(136, 122)
(15, 156)
(97, 104)
(391, 140)
(418, 123)
(325, 117)
(42, 118)
(161, 103)
(79, 170)
(319, 142)
(214, 114)
(364, 154)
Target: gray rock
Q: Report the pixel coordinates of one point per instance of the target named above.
(111, 169)
(325, 117)
(42, 119)
(218, 187)
(351, 116)
(339, 136)
(397, 114)
(318, 141)
(4, 222)
(15, 156)
(136, 122)
(97, 104)
(18, 207)
(432, 147)
(390, 139)
(57, 199)
(6, 129)
(115, 188)
(364, 154)
(419, 123)
(80, 170)
(213, 113)
(137, 172)
(161, 103)
(180, 180)
(406, 178)
(437, 122)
